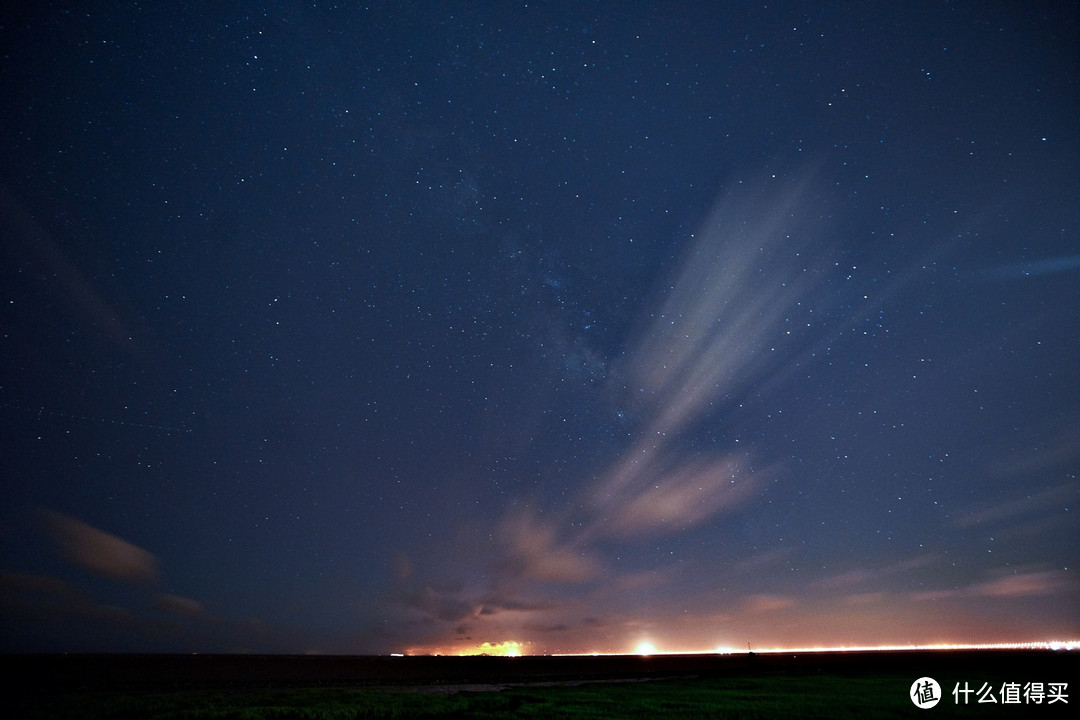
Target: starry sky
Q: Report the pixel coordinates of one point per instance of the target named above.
(566, 327)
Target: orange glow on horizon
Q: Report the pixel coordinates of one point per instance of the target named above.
(512, 648)
(507, 648)
(647, 648)
(1037, 645)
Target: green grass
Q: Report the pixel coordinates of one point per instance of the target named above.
(750, 696)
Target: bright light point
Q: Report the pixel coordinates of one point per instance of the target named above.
(646, 648)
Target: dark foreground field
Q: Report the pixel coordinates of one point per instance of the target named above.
(825, 685)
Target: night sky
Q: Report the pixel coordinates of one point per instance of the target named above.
(559, 327)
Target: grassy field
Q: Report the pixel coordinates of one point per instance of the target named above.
(811, 685)
(775, 696)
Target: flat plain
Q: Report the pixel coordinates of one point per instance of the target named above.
(841, 684)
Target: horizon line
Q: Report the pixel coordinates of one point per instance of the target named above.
(1051, 645)
(1055, 645)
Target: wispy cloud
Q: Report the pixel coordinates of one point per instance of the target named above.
(41, 597)
(856, 579)
(179, 605)
(37, 246)
(766, 603)
(652, 490)
(432, 603)
(720, 322)
(1004, 583)
(137, 614)
(723, 326)
(1034, 268)
(1061, 496)
(716, 334)
(534, 551)
(99, 552)
(1020, 585)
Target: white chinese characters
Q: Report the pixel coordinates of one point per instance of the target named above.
(1012, 693)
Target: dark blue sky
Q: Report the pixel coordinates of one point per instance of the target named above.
(571, 325)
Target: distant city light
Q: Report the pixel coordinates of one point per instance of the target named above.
(646, 648)
(513, 648)
(1038, 645)
(507, 648)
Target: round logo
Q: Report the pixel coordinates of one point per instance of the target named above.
(925, 692)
